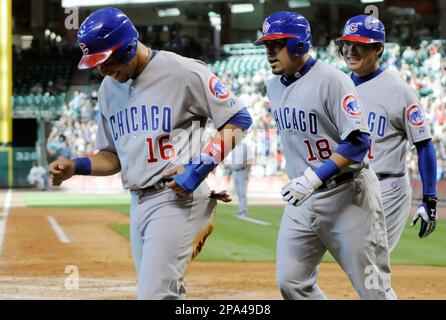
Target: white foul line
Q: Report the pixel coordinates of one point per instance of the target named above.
(261, 222)
(58, 230)
(4, 218)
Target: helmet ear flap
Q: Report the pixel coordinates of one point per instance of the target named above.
(296, 47)
(302, 48)
(125, 54)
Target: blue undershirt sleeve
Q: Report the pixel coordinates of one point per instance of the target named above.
(355, 146)
(427, 165)
(241, 119)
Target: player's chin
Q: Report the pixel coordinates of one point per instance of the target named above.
(120, 77)
(123, 79)
(277, 71)
(353, 66)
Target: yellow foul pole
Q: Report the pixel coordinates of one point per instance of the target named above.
(6, 92)
(5, 72)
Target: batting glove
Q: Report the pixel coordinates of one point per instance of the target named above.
(301, 188)
(427, 211)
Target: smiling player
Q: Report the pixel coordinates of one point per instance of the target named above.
(395, 120)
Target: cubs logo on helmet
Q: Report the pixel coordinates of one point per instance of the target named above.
(352, 28)
(265, 27)
(84, 48)
(351, 106)
(415, 115)
(217, 88)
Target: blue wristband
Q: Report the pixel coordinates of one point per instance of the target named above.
(327, 170)
(82, 166)
(196, 171)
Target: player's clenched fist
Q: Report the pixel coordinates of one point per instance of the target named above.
(61, 169)
(172, 184)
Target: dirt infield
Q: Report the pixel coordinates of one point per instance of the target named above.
(33, 262)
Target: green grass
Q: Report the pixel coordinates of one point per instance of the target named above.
(413, 250)
(235, 239)
(122, 229)
(118, 202)
(428, 251)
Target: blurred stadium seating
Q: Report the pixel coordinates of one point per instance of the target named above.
(40, 86)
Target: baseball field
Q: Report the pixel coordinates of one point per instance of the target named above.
(56, 245)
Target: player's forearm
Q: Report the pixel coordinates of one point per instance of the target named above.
(332, 167)
(231, 135)
(232, 132)
(341, 161)
(104, 163)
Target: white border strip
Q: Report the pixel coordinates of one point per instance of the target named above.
(4, 218)
(58, 230)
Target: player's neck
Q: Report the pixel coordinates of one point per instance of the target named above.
(142, 59)
(367, 71)
(298, 63)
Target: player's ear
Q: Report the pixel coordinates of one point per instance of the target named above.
(380, 49)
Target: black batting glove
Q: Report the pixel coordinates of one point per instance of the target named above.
(427, 211)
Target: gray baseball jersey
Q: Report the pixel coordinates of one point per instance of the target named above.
(149, 122)
(396, 119)
(313, 115)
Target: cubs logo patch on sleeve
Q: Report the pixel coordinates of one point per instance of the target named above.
(217, 88)
(351, 106)
(415, 115)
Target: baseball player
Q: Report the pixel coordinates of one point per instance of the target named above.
(241, 161)
(152, 105)
(332, 200)
(395, 119)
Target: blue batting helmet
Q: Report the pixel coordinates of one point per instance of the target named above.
(291, 26)
(365, 29)
(105, 32)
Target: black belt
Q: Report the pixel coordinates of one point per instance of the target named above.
(148, 189)
(382, 176)
(157, 186)
(348, 176)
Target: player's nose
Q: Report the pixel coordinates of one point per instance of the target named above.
(270, 50)
(353, 48)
